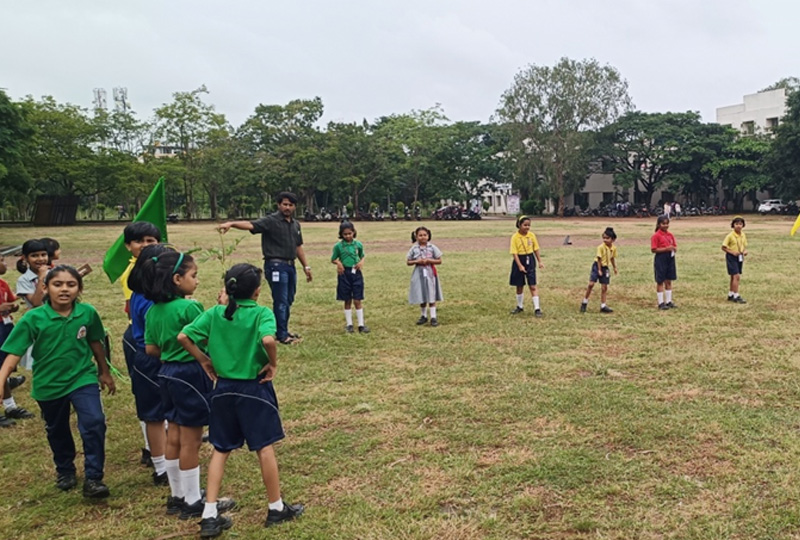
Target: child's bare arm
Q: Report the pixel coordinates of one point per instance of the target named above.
(518, 262)
(270, 368)
(8, 366)
(103, 373)
(538, 258)
(152, 350)
(204, 361)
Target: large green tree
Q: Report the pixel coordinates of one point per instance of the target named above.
(15, 136)
(550, 112)
(784, 158)
(189, 124)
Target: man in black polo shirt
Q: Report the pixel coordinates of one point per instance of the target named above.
(281, 243)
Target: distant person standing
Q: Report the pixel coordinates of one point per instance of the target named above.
(281, 244)
(678, 210)
(667, 209)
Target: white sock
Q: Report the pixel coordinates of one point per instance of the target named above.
(433, 312)
(159, 464)
(190, 479)
(535, 302)
(521, 301)
(210, 510)
(277, 505)
(360, 316)
(660, 298)
(603, 305)
(736, 295)
(424, 311)
(174, 477)
(668, 295)
(585, 301)
(9, 404)
(144, 434)
(348, 317)
(731, 294)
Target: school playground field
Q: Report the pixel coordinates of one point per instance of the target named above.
(637, 424)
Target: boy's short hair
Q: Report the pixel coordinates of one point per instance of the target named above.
(737, 218)
(140, 229)
(286, 195)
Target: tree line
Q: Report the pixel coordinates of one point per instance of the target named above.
(553, 126)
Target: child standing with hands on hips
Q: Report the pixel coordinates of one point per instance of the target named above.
(425, 288)
(606, 257)
(65, 334)
(735, 248)
(525, 250)
(348, 256)
(185, 382)
(663, 244)
(244, 408)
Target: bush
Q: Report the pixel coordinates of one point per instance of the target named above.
(373, 206)
(486, 206)
(401, 207)
(349, 207)
(531, 207)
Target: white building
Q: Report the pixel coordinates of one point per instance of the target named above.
(759, 112)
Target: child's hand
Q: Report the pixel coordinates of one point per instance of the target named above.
(209, 369)
(359, 265)
(615, 271)
(541, 265)
(423, 262)
(268, 371)
(107, 382)
(521, 268)
(222, 297)
(339, 268)
(744, 253)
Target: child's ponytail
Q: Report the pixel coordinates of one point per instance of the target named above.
(241, 283)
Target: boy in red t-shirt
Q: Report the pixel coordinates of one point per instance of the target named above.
(8, 305)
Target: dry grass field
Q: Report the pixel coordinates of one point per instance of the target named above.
(638, 424)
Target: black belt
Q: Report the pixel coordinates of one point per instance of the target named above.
(284, 261)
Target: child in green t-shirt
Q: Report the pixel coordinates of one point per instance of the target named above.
(244, 408)
(65, 334)
(348, 256)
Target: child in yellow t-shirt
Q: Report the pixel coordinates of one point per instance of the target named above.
(735, 248)
(525, 250)
(605, 258)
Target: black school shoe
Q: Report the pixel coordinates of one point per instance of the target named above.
(18, 413)
(196, 510)
(14, 382)
(363, 329)
(434, 322)
(289, 512)
(160, 479)
(422, 320)
(662, 306)
(538, 313)
(606, 309)
(583, 307)
(738, 300)
(349, 328)
(517, 310)
(6, 422)
(95, 489)
(66, 482)
(174, 505)
(670, 305)
(146, 458)
(211, 527)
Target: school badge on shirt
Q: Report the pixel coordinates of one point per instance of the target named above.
(82, 332)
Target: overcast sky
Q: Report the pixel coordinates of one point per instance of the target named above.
(368, 58)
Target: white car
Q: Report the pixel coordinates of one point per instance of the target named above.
(771, 206)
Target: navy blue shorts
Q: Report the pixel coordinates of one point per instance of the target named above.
(184, 393)
(244, 411)
(735, 266)
(350, 286)
(5, 330)
(604, 276)
(146, 387)
(518, 278)
(664, 266)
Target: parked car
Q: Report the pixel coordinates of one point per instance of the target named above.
(771, 206)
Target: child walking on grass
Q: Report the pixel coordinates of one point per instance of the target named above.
(605, 258)
(735, 248)
(65, 334)
(663, 244)
(525, 251)
(9, 305)
(244, 408)
(348, 256)
(170, 277)
(425, 288)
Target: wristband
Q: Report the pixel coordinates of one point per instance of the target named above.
(307, 268)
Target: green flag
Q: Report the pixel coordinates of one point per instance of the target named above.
(154, 211)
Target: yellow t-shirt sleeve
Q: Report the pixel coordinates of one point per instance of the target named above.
(126, 292)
